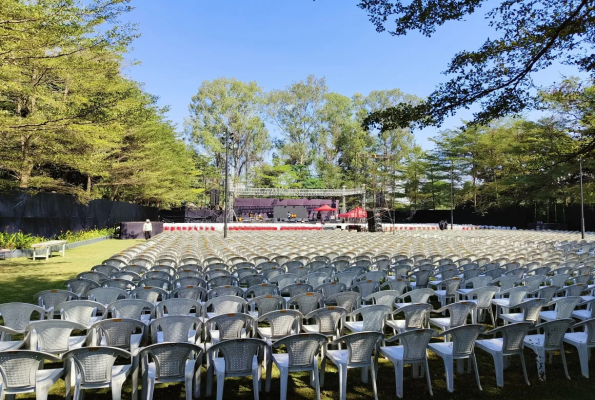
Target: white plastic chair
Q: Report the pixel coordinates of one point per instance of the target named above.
(21, 373)
(107, 295)
(18, 315)
(54, 336)
(359, 354)
(301, 355)
(552, 339)
(564, 306)
(178, 307)
(81, 311)
(461, 347)
(413, 350)
(530, 310)
(240, 357)
(458, 313)
(94, 368)
(416, 317)
(176, 328)
(373, 319)
(583, 341)
(171, 362)
(132, 309)
(511, 343)
(10, 344)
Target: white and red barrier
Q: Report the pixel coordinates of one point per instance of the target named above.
(243, 226)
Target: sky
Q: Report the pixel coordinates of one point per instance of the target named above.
(278, 42)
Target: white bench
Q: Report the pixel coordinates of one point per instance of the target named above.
(44, 249)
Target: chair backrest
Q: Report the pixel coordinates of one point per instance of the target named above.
(360, 347)
(149, 293)
(52, 336)
(130, 308)
(365, 288)
(18, 368)
(414, 342)
(533, 282)
(225, 291)
(97, 277)
(531, 309)
(331, 288)
(229, 325)
(554, 332)
(398, 285)
(451, 285)
(418, 295)
(252, 280)
(53, 297)
(306, 302)
(327, 319)
(565, 306)
(189, 281)
(117, 332)
(189, 292)
(127, 275)
(282, 322)
(261, 290)
(512, 336)
(239, 354)
(80, 311)
(105, 269)
(346, 300)
(484, 295)
(175, 328)
(267, 303)
(302, 349)
(94, 364)
(589, 326)
(547, 292)
(516, 295)
(463, 338)
(81, 286)
(170, 358)
(459, 312)
(296, 288)
(225, 305)
(421, 277)
(373, 317)
(558, 280)
(386, 297)
(415, 314)
(177, 307)
(107, 295)
(155, 282)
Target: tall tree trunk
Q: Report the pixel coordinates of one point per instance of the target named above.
(26, 163)
(89, 184)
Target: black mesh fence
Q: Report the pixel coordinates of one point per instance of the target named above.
(47, 214)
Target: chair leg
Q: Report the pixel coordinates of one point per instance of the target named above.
(256, 382)
(283, 381)
(373, 371)
(117, 390)
(540, 358)
(220, 383)
(365, 374)
(428, 378)
(197, 381)
(135, 363)
(342, 382)
(322, 368)
(476, 371)
(399, 378)
(449, 371)
(564, 361)
(524, 368)
(316, 379)
(583, 356)
(267, 387)
(499, 367)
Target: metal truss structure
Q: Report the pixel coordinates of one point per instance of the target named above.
(280, 192)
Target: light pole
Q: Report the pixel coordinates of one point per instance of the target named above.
(452, 196)
(226, 198)
(580, 167)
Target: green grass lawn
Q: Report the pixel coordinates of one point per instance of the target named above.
(21, 278)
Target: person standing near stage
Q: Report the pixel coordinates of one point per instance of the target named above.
(147, 229)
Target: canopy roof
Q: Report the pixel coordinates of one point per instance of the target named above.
(325, 207)
(357, 212)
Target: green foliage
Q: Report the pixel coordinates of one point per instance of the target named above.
(84, 234)
(18, 240)
(531, 35)
(70, 122)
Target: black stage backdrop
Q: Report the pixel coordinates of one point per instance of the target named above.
(47, 214)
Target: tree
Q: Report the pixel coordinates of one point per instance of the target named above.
(296, 112)
(228, 105)
(533, 35)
